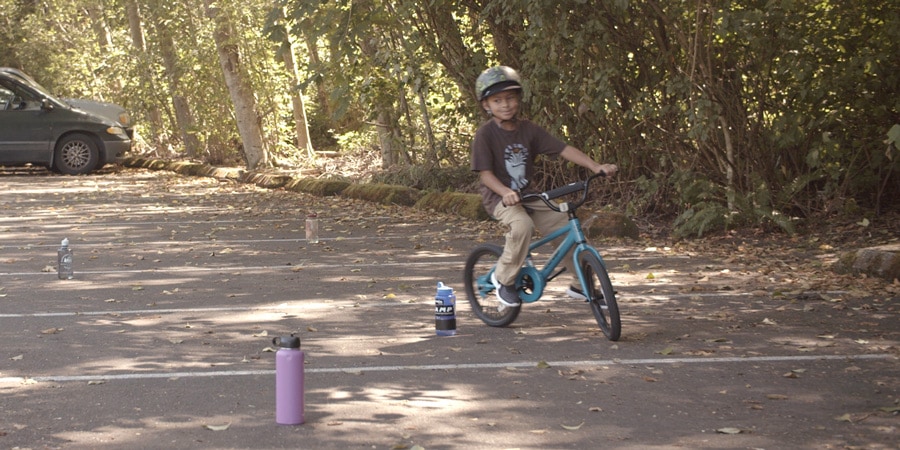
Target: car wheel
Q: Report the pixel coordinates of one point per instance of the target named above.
(76, 154)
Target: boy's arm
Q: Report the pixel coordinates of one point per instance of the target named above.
(578, 157)
(509, 196)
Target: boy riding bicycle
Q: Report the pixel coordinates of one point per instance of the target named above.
(503, 153)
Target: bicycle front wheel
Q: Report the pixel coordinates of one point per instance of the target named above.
(601, 296)
(479, 289)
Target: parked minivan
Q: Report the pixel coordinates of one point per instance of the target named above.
(109, 110)
(38, 128)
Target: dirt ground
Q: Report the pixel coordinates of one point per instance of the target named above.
(163, 338)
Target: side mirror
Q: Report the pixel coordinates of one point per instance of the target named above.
(46, 105)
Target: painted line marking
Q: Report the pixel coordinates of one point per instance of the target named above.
(189, 269)
(430, 367)
(294, 305)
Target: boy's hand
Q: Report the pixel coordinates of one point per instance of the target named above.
(511, 198)
(608, 169)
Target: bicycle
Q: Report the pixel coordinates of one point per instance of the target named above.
(531, 281)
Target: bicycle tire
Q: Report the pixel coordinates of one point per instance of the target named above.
(601, 296)
(479, 290)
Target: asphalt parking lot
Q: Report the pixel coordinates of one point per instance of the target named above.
(163, 338)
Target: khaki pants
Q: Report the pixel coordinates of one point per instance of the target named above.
(521, 228)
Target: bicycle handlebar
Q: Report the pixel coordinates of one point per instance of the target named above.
(570, 188)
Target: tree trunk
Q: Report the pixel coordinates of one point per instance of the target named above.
(184, 119)
(301, 126)
(134, 25)
(104, 40)
(236, 79)
(385, 139)
(432, 156)
(136, 31)
(321, 92)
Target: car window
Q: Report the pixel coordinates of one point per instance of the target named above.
(6, 98)
(15, 98)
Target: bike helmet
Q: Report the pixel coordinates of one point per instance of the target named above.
(496, 79)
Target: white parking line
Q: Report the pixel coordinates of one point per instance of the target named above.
(428, 367)
(305, 304)
(299, 264)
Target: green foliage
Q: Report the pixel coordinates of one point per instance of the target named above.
(710, 207)
(787, 109)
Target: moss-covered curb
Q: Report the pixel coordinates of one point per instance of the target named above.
(466, 205)
(882, 261)
(600, 224)
(383, 193)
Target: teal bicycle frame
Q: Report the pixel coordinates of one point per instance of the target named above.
(531, 281)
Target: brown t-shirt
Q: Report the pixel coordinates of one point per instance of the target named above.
(510, 154)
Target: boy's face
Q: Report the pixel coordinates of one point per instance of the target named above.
(503, 105)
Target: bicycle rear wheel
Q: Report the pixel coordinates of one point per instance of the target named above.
(601, 296)
(477, 278)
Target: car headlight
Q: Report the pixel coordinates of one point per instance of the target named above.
(116, 131)
(123, 118)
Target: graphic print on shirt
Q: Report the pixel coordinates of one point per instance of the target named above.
(516, 157)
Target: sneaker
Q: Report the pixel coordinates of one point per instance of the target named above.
(506, 295)
(576, 293)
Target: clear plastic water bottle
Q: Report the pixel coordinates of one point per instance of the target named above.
(65, 264)
(289, 361)
(312, 228)
(445, 311)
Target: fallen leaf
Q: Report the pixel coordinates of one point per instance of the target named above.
(573, 427)
(217, 427)
(666, 351)
(729, 430)
(542, 365)
(95, 382)
(768, 321)
(777, 397)
(17, 358)
(595, 409)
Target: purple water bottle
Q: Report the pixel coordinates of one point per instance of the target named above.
(288, 381)
(445, 311)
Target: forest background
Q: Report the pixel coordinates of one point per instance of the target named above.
(720, 114)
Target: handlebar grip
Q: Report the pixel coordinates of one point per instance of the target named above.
(570, 188)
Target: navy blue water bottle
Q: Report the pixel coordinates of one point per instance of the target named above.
(445, 311)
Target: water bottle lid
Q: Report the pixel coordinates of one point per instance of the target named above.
(444, 289)
(65, 242)
(287, 341)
